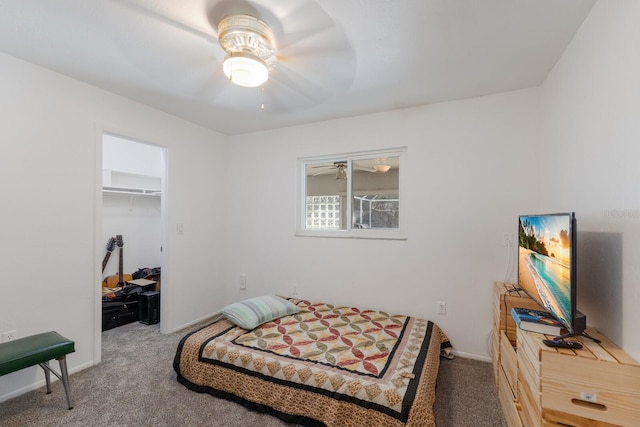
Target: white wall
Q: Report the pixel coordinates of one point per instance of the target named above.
(592, 102)
(135, 157)
(50, 166)
(462, 196)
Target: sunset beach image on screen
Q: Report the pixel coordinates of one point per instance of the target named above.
(544, 251)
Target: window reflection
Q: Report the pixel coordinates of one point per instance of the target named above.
(375, 190)
(326, 185)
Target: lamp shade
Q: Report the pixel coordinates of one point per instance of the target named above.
(245, 69)
(381, 168)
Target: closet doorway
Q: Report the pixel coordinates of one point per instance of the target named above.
(132, 216)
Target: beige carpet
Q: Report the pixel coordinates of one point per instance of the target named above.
(135, 385)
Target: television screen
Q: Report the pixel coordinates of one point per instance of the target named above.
(546, 263)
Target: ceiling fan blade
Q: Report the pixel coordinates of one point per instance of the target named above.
(300, 21)
(284, 94)
(323, 169)
(165, 52)
(292, 86)
(180, 67)
(312, 70)
(360, 168)
(154, 10)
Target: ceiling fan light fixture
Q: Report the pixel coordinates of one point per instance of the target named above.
(248, 43)
(381, 168)
(245, 69)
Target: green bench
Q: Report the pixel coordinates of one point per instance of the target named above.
(38, 350)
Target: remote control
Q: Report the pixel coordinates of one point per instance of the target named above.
(563, 344)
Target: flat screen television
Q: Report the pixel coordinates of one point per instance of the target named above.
(547, 266)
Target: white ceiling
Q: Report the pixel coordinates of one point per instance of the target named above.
(337, 58)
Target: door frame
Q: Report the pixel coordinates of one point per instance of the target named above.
(101, 130)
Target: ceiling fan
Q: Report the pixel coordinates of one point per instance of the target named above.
(289, 49)
(341, 169)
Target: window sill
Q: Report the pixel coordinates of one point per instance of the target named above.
(354, 234)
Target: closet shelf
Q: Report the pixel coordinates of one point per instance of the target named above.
(130, 191)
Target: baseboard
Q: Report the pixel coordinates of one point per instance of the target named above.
(41, 383)
(196, 321)
(471, 356)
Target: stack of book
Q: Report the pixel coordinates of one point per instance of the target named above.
(536, 321)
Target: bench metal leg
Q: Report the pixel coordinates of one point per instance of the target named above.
(64, 377)
(65, 380)
(47, 376)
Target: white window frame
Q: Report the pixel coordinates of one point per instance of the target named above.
(349, 232)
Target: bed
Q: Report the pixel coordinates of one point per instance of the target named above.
(325, 365)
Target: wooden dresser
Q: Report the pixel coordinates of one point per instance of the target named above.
(598, 385)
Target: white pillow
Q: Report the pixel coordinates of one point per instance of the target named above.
(253, 312)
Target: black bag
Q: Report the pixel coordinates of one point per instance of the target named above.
(119, 313)
(132, 292)
(126, 293)
(146, 272)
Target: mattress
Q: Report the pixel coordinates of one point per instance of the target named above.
(327, 365)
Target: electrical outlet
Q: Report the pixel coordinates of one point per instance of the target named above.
(243, 281)
(8, 336)
(442, 307)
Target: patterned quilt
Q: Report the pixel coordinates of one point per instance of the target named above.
(326, 365)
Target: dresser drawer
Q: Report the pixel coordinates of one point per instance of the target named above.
(508, 362)
(594, 389)
(510, 408)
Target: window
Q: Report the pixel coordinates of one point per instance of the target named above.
(351, 195)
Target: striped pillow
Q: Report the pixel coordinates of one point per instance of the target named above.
(253, 312)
